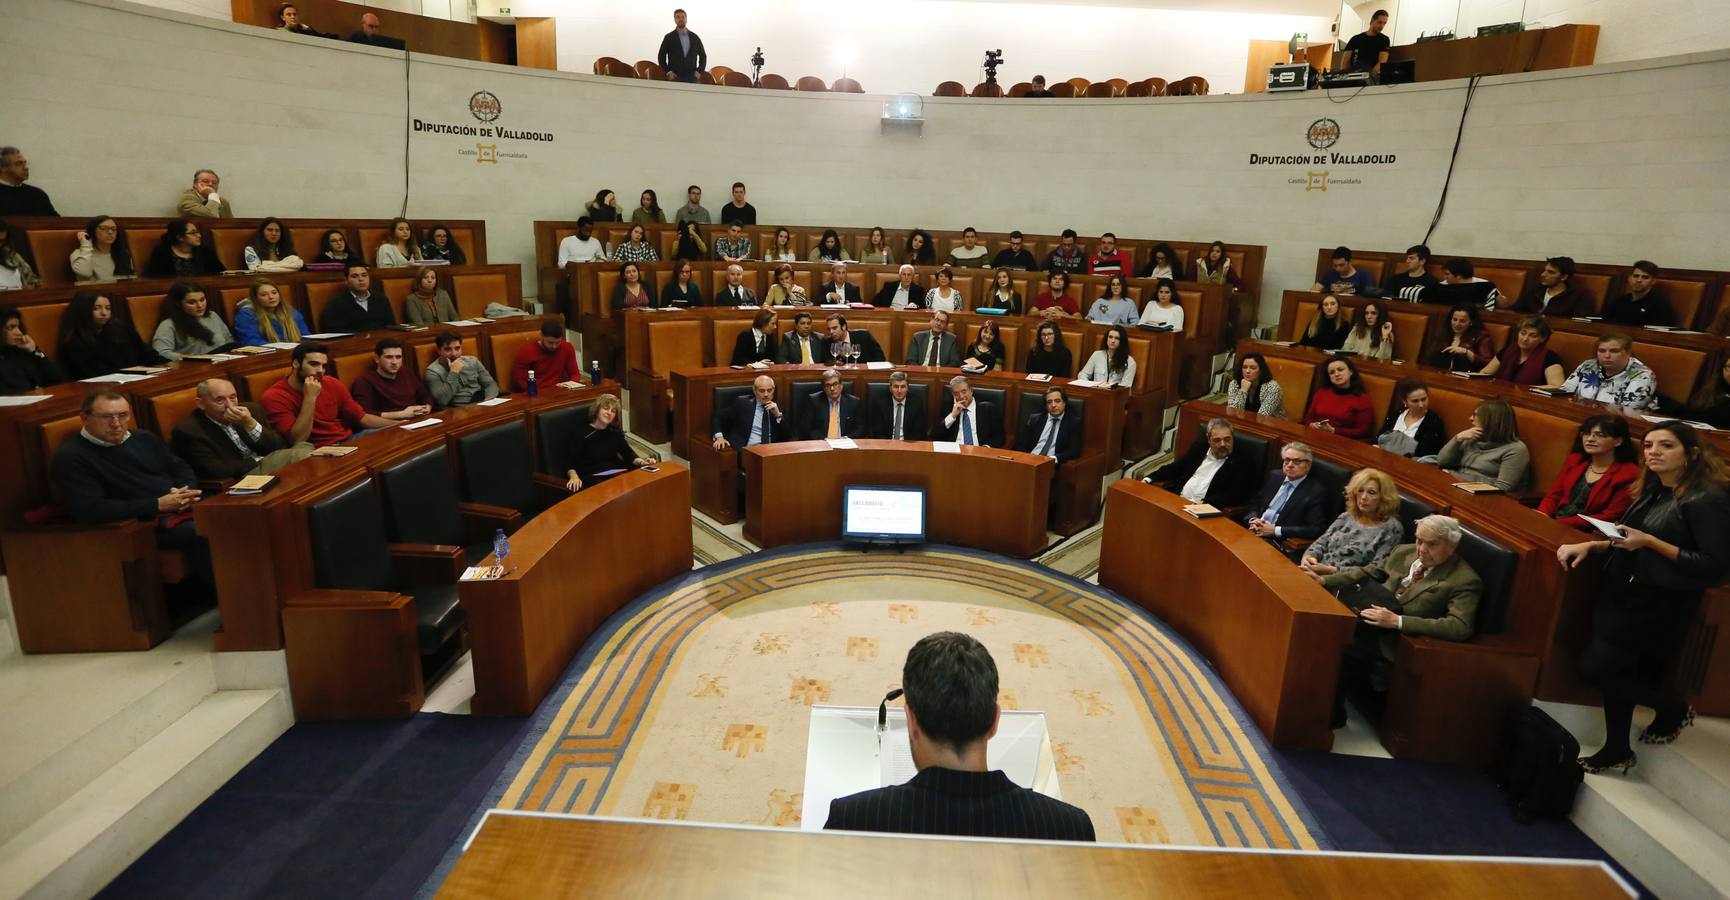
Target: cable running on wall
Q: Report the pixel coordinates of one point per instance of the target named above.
(1459, 134)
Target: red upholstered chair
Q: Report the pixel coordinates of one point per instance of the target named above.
(987, 89)
(774, 83)
(1156, 87)
(649, 69)
(1138, 89)
(1080, 84)
(1100, 89)
(847, 86)
(616, 68)
(810, 83)
(705, 78)
(950, 89)
(1020, 88)
(736, 79)
(720, 73)
(1118, 84)
(1061, 89)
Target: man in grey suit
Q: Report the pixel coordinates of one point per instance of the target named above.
(934, 346)
(734, 292)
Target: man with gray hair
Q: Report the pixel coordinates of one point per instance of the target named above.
(202, 200)
(16, 197)
(1212, 471)
(225, 439)
(832, 413)
(1291, 503)
(970, 421)
(900, 416)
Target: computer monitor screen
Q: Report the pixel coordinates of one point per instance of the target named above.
(883, 513)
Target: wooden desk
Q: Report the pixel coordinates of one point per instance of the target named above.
(981, 497)
(1561, 47)
(573, 566)
(582, 856)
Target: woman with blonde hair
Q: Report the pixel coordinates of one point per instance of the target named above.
(400, 249)
(600, 451)
(266, 317)
(1366, 532)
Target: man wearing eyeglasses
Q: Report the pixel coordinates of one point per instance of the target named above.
(1291, 504)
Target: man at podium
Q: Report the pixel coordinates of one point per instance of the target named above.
(950, 684)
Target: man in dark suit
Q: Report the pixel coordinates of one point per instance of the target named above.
(1291, 504)
(734, 292)
(225, 439)
(903, 409)
(757, 343)
(934, 346)
(1211, 471)
(682, 55)
(802, 346)
(869, 349)
(752, 420)
(971, 421)
(1555, 293)
(837, 289)
(831, 413)
(357, 309)
(902, 293)
(950, 682)
(1055, 433)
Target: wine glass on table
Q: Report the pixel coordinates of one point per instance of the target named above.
(853, 351)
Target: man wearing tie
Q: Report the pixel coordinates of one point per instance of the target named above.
(749, 421)
(901, 415)
(1054, 432)
(800, 348)
(839, 333)
(735, 293)
(935, 346)
(757, 343)
(972, 422)
(831, 414)
(837, 289)
(1291, 504)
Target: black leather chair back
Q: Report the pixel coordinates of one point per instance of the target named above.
(348, 546)
(1032, 402)
(556, 431)
(1410, 512)
(1254, 445)
(724, 396)
(420, 500)
(1334, 477)
(1494, 564)
(495, 467)
(997, 396)
(797, 391)
(876, 391)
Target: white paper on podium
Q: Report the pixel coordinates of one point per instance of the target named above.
(842, 757)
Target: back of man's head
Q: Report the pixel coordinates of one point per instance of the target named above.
(950, 682)
(552, 329)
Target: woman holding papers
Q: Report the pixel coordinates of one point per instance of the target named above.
(600, 451)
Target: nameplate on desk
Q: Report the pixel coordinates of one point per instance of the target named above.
(483, 573)
(334, 450)
(879, 366)
(252, 484)
(946, 446)
(1477, 487)
(845, 443)
(759, 364)
(415, 426)
(1203, 510)
(496, 401)
(1038, 376)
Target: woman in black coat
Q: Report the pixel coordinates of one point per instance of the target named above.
(97, 338)
(1675, 546)
(600, 450)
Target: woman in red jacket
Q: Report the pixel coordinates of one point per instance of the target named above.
(1595, 479)
(1341, 406)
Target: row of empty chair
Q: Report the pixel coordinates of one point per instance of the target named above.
(724, 76)
(1192, 86)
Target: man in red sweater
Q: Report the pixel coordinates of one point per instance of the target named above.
(388, 390)
(311, 406)
(1109, 260)
(552, 358)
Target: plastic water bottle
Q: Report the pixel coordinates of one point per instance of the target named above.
(252, 260)
(534, 387)
(594, 371)
(501, 547)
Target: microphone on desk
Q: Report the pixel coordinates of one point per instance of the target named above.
(883, 709)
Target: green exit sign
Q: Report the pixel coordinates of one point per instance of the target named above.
(504, 10)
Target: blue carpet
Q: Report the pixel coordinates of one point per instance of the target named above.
(332, 809)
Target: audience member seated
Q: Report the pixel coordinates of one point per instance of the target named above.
(1711, 403)
(1615, 376)
(455, 379)
(1345, 279)
(16, 273)
(1372, 333)
(1111, 365)
(898, 416)
(1114, 307)
(935, 346)
(802, 346)
(753, 420)
(1014, 256)
(1327, 328)
(441, 247)
(635, 247)
(1109, 260)
(604, 208)
(902, 293)
(1555, 293)
(692, 213)
(271, 249)
(690, 245)
(757, 343)
(735, 246)
(288, 19)
(1341, 405)
(333, 248)
(265, 318)
(828, 248)
(838, 289)
(1470, 349)
(877, 252)
(1461, 283)
(970, 421)
(831, 414)
(1054, 302)
(682, 292)
(1212, 470)
(944, 296)
(1598, 476)
(182, 254)
(16, 197)
(1038, 91)
(1528, 358)
(648, 211)
(97, 338)
(583, 247)
(1052, 433)
(782, 251)
(1411, 428)
(1291, 504)
(1490, 451)
(736, 209)
(23, 365)
(1423, 589)
(784, 292)
(920, 250)
(400, 250)
(357, 309)
(389, 391)
(1162, 263)
(986, 352)
(734, 292)
(631, 291)
(843, 338)
(1049, 355)
(552, 359)
(103, 253)
(224, 439)
(970, 253)
(202, 200)
(1414, 276)
(1254, 389)
(370, 33)
(190, 325)
(600, 450)
(308, 406)
(1163, 311)
(1215, 266)
(1365, 533)
(428, 304)
(1002, 294)
(1641, 306)
(110, 473)
(950, 684)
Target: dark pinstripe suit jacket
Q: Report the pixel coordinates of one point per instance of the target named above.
(968, 804)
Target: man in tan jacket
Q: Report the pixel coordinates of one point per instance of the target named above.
(202, 199)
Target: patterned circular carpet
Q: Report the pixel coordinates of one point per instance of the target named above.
(693, 703)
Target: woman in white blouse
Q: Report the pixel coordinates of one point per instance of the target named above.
(782, 252)
(400, 249)
(1164, 309)
(943, 296)
(102, 254)
(1111, 364)
(877, 251)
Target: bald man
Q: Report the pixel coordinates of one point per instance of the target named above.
(224, 439)
(369, 33)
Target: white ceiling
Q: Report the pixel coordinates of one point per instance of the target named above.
(1329, 8)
